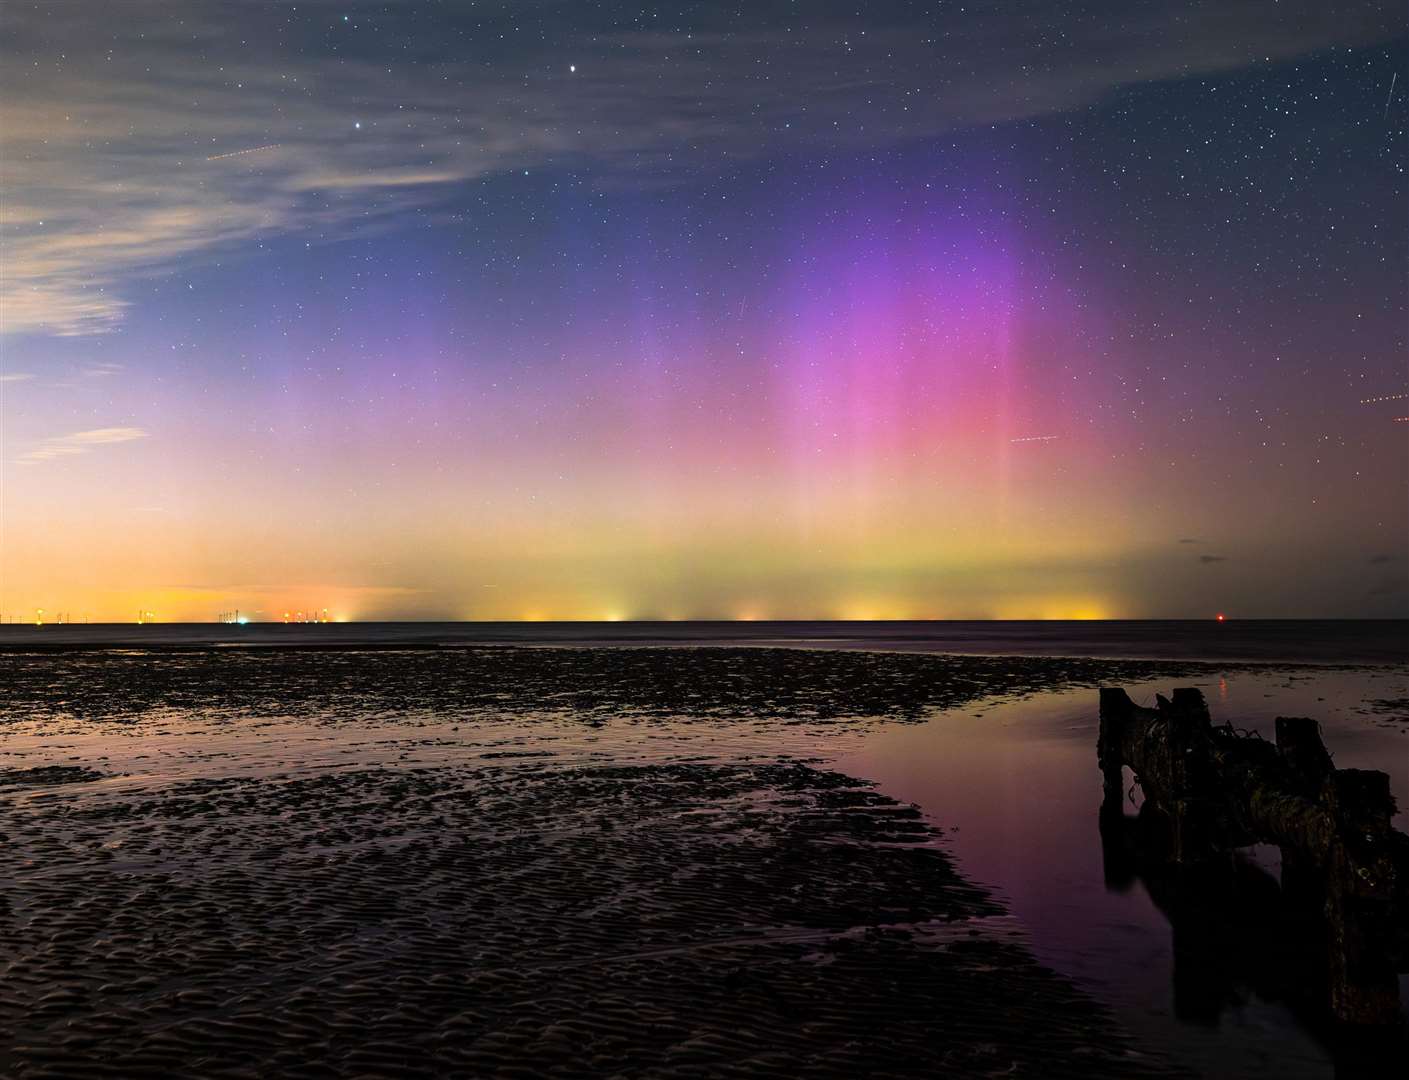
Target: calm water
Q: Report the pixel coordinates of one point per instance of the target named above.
(1305, 640)
(1017, 789)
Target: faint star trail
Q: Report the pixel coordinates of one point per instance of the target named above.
(251, 150)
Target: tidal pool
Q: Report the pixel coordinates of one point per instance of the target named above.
(1015, 786)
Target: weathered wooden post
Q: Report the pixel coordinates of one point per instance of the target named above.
(1116, 706)
(1303, 753)
(1164, 747)
(1360, 908)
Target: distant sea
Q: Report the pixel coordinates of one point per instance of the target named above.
(1320, 641)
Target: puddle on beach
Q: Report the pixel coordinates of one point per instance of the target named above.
(1016, 789)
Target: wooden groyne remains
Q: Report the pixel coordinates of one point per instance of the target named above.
(1210, 790)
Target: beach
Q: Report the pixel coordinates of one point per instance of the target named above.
(653, 861)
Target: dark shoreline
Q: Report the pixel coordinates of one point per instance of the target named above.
(1323, 641)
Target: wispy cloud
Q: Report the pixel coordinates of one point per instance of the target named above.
(130, 147)
(85, 375)
(1208, 559)
(16, 376)
(80, 442)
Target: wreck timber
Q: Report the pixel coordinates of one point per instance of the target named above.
(1216, 790)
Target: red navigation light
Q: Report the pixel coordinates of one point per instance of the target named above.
(1219, 616)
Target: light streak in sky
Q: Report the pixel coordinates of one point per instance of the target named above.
(251, 150)
(1035, 438)
(1383, 397)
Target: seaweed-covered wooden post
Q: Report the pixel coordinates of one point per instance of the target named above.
(1307, 761)
(1164, 747)
(1360, 898)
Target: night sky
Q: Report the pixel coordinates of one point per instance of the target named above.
(564, 310)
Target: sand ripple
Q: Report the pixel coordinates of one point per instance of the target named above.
(394, 901)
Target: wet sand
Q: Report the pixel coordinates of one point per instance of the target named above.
(508, 862)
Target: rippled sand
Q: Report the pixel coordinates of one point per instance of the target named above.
(502, 862)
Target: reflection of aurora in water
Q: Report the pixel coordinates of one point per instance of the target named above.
(1018, 792)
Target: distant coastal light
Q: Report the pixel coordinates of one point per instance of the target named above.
(1219, 617)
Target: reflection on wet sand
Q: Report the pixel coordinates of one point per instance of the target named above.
(1235, 929)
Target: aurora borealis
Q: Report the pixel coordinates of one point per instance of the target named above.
(545, 311)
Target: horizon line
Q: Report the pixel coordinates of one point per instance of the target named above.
(1216, 618)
